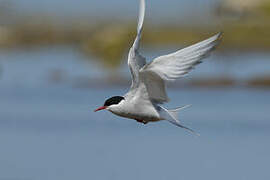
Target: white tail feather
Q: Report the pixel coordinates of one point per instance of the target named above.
(175, 112)
(172, 117)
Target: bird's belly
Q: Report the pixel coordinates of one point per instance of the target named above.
(139, 117)
(149, 115)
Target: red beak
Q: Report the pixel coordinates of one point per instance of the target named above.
(100, 108)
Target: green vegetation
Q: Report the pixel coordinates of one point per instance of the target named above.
(265, 7)
(110, 42)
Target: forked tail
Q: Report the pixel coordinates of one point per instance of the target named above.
(172, 117)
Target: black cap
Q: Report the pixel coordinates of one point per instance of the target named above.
(113, 100)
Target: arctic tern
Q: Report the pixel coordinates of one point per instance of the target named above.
(148, 91)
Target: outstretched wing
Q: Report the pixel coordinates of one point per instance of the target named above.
(135, 60)
(173, 66)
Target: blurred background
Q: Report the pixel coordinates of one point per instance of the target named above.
(60, 59)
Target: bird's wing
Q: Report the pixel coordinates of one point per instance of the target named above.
(173, 66)
(152, 87)
(135, 60)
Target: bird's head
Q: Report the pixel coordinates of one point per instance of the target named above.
(110, 102)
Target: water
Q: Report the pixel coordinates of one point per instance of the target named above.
(37, 67)
(49, 130)
(53, 133)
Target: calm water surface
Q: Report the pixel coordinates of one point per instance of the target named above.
(49, 130)
(53, 133)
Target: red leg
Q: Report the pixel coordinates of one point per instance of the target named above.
(141, 121)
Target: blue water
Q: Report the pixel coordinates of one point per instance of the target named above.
(36, 67)
(48, 130)
(53, 133)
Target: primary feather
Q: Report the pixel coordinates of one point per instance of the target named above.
(176, 65)
(135, 60)
(173, 66)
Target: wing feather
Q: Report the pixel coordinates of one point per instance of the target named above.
(173, 66)
(135, 60)
(155, 86)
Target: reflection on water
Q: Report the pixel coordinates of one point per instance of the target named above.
(49, 130)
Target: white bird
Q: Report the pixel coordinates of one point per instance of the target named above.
(148, 91)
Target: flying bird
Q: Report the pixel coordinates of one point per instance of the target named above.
(148, 91)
